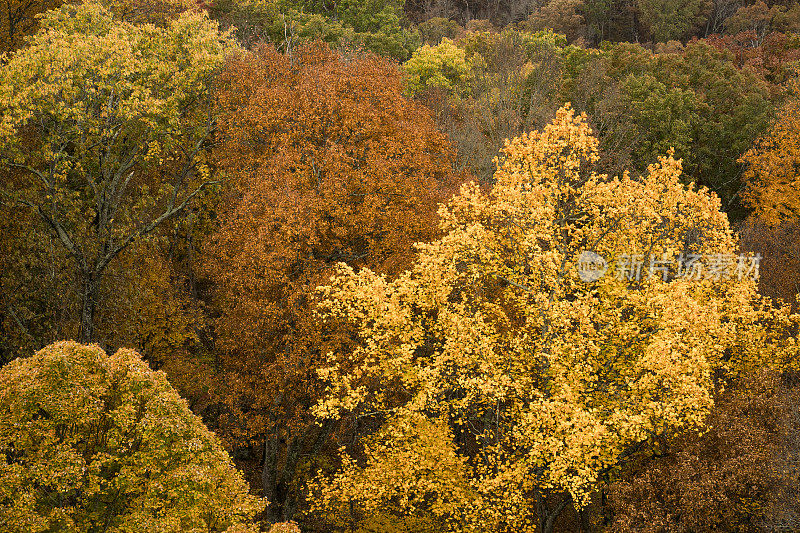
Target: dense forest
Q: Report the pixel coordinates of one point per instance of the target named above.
(384, 266)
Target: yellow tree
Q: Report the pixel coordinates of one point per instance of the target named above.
(772, 180)
(18, 18)
(105, 125)
(92, 442)
(505, 385)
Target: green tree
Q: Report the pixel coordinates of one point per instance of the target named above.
(91, 442)
(106, 124)
(378, 25)
(668, 20)
(735, 109)
(442, 66)
(653, 118)
(696, 101)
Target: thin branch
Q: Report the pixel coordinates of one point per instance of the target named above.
(32, 170)
(168, 213)
(63, 236)
(20, 323)
(517, 285)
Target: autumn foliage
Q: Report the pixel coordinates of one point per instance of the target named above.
(19, 18)
(771, 177)
(327, 162)
(105, 141)
(770, 188)
(739, 476)
(519, 380)
(354, 236)
(92, 442)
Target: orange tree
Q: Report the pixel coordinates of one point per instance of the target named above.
(771, 177)
(327, 162)
(770, 189)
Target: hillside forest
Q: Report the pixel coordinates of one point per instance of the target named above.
(387, 266)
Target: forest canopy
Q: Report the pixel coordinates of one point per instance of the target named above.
(399, 266)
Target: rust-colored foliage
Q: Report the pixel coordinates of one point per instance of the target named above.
(328, 162)
(771, 180)
(740, 476)
(771, 56)
(779, 247)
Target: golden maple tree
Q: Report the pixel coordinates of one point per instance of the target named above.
(499, 378)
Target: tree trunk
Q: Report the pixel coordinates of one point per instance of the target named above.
(281, 458)
(583, 519)
(547, 516)
(89, 291)
(268, 480)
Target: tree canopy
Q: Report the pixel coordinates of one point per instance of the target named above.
(519, 380)
(92, 442)
(405, 298)
(327, 162)
(105, 124)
